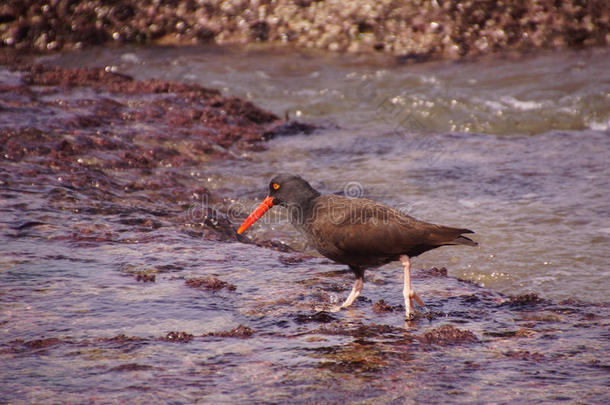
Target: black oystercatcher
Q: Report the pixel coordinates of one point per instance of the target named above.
(355, 231)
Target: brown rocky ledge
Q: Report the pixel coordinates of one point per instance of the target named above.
(412, 29)
(98, 142)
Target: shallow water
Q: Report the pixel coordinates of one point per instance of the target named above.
(516, 149)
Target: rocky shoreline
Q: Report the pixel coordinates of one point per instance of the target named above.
(122, 284)
(413, 30)
(102, 143)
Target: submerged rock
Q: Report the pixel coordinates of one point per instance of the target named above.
(524, 300)
(42, 343)
(447, 335)
(183, 337)
(318, 317)
(146, 278)
(382, 306)
(130, 367)
(241, 331)
(209, 283)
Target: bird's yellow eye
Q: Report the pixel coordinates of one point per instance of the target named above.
(276, 186)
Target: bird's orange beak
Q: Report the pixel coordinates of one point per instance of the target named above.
(256, 214)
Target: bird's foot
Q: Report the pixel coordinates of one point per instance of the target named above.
(416, 307)
(415, 314)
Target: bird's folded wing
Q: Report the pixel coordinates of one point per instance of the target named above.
(364, 227)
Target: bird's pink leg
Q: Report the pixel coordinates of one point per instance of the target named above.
(356, 290)
(407, 291)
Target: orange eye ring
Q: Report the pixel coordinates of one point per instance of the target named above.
(276, 186)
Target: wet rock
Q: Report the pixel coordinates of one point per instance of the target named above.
(91, 234)
(228, 121)
(290, 128)
(122, 342)
(209, 283)
(216, 220)
(365, 356)
(245, 109)
(381, 306)
(28, 224)
(42, 343)
(31, 347)
(141, 223)
(525, 355)
(130, 367)
(239, 332)
(182, 337)
(431, 272)
(428, 314)
(273, 244)
(359, 330)
(523, 332)
(468, 281)
(98, 78)
(145, 278)
(447, 335)
(536, 317)
(417, 57)
(524, 300)
(355, 363)
(291, 259)
(318, 317)
(260, 31)
(120, 339)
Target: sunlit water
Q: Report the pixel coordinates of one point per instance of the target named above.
(516, 149)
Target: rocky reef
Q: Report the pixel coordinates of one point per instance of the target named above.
(414, 30)
(91, 139)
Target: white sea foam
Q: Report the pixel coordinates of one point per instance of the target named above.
(130, 57)
(519, 104)
(599, 125)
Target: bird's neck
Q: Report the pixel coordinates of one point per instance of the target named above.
(300, 210)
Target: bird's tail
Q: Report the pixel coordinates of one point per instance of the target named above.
(463, 240)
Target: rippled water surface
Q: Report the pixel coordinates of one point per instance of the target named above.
(515, 148)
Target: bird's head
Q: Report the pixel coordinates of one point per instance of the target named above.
(286, 190)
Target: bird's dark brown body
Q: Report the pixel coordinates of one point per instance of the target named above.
(355, 231)
(362, 233)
